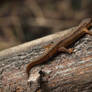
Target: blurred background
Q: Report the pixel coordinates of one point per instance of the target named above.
(25, 20)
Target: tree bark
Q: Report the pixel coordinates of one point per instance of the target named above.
(62, 73)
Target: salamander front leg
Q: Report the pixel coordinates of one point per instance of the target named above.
(87, 31)
(63, 49)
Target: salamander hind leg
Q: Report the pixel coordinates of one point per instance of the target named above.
(63, 49)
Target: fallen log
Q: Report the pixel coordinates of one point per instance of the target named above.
(62, 73)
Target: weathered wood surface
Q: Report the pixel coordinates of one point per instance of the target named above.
(62, 73)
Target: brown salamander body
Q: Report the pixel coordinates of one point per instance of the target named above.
(63, 43)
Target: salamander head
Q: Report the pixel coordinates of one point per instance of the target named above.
(86, 23)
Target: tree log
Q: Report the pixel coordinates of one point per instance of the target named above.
(62, 73)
